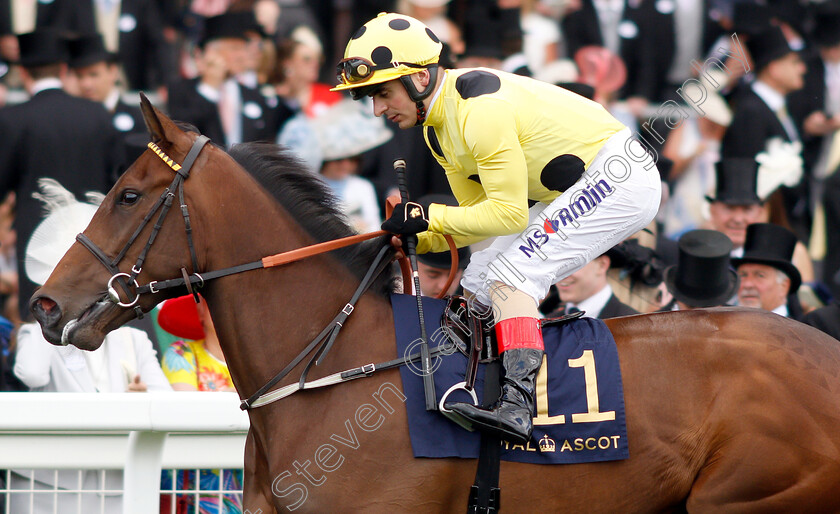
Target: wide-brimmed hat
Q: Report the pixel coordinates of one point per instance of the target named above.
(347, 129)
(702, 276)
(51, 239)
(88, 49)
(41, 48)
(179, 317)
(767, 46)
(773, 245)
(736, 181)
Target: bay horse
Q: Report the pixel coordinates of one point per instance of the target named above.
(727, 410)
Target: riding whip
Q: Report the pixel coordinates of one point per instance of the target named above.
(411, 251)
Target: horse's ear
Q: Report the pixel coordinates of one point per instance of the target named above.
(153, 123)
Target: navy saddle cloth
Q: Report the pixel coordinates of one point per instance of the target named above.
(580, 401)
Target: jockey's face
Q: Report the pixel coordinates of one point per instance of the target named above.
(392, 100)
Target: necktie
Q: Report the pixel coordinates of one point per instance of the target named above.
(227, 111)
(572, 310)
(787, 123)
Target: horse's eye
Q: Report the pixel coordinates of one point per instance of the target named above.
(129, 198)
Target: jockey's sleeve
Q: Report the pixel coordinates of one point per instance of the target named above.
(469, 192)
(497, 202)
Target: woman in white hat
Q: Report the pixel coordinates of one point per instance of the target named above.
(346, 131)
(126, 361)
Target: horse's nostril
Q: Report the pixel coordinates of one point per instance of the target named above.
(45, 310)
(47, 305)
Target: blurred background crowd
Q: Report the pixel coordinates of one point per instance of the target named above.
(739, 101)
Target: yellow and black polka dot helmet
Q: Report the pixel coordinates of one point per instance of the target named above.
(387, 47)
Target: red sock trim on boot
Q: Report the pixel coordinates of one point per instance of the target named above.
(519, 333)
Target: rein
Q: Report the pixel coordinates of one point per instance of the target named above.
(324, 341)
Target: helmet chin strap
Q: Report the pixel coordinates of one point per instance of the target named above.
(418, 96)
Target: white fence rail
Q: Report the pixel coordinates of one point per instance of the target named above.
(140, 433)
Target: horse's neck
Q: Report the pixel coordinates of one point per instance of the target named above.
(264, 318)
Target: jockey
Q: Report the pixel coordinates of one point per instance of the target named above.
(552, 176)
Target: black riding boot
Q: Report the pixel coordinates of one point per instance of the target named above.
(511, 417)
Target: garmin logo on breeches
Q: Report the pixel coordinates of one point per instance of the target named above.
(582, 204)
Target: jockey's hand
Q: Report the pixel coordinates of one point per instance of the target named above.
(407, 219)
(397, 243)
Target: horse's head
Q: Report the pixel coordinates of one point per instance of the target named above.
(93, 289)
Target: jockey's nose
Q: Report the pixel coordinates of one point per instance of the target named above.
(46, 310)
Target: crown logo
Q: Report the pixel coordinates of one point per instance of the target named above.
(547, 444)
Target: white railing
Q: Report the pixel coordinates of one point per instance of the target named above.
(139, 433)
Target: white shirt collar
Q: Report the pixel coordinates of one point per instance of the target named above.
(771, 97)
(44, 84)
(112, 99)
(782, 310)
(595, 303)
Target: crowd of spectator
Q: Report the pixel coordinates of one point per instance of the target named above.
(739, 101)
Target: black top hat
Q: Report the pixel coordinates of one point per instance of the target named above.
(827, 24)
(443, 260)
(702, 276)
(736, 181)
(767, 46)
(41, 48)
(664, 165)
(772, 245)
(248, 22)
(88, 49)
(223, 26)
(584, 90)
(750, 18)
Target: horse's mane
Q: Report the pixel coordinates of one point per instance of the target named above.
(311, 202)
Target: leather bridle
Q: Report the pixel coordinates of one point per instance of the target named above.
(164, 203)
(320, 345)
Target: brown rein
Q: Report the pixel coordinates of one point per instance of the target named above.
(328, 246)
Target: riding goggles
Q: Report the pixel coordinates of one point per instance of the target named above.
(357, 69)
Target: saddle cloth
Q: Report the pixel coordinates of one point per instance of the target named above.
(580, 401)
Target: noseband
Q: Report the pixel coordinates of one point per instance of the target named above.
(164, 203)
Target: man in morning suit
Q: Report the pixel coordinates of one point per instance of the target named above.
(703, 276)
(587, 290)
(97, 71)
(218, 104)
(51, 135)
(769, 280)
(760, 111)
